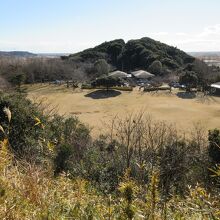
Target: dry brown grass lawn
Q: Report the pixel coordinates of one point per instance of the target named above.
(180, 110)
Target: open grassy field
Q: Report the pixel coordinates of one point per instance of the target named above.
(96, 107)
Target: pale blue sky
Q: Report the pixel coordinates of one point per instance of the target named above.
(73, 25)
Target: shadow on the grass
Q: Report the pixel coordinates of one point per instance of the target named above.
(186, 95)
(103, 94)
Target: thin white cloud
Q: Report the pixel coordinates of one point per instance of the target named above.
(206, 40)
(181, 34)
(159, 33)
(210, 30)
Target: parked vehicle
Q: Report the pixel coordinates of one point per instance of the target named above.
(177, 85)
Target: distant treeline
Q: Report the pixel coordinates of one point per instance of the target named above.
(44, 69)
(166, 62)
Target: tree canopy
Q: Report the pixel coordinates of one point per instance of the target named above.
(136, 54)
(190, 79)
(102, 67)
(106, 82)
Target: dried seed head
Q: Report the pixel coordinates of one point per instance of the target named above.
(7, 111)
(2, 129)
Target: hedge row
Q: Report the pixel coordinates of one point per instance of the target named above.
(156, 89)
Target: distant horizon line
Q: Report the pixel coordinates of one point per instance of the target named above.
(29, 51)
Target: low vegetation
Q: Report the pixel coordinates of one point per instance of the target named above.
(138, 169)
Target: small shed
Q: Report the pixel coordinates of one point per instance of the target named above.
(118, 74)
(142, 74)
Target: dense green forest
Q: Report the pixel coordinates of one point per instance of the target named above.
(52, 168)
(137, 54)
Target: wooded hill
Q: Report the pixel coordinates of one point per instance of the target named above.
(17, 54)
(144, 53)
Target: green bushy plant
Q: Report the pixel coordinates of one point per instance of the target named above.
(29, 190)
(214, 145)
(27, 126)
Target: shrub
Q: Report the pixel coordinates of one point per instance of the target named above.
(107, 82)
(214, 145)
(173, 168)
(71, 143)
(151, 89)
(101, 67)
(102, 164)
(122, 88)
(156, 67)
(150, 156)
(87, 86)
(26, 128)
(189, 79)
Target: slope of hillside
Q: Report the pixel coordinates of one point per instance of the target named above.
(134, 54)
(17, 54)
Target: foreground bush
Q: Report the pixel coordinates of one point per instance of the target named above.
(25, 129)
(214, 146)
(30, 192)
(140, 169)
